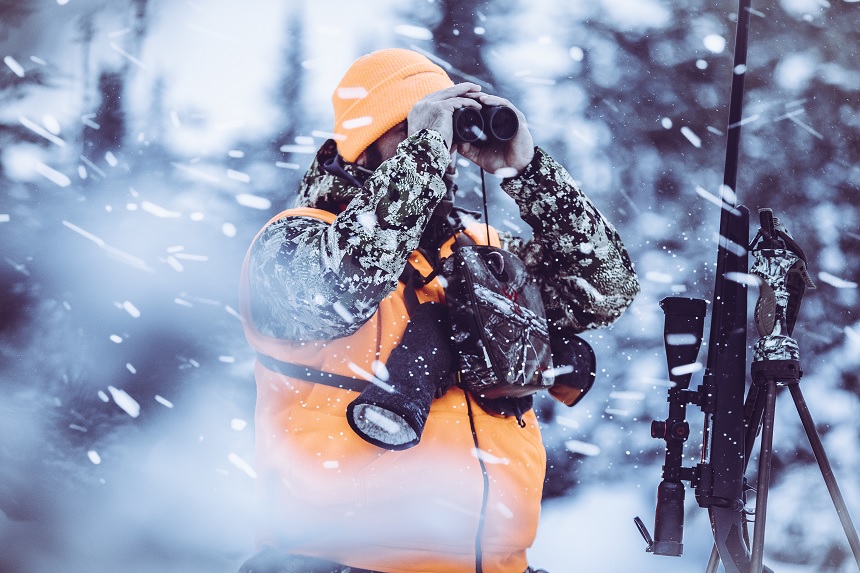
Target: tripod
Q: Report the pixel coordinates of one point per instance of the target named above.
(781, 270)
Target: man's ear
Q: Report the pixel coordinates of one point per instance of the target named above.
(370, 158)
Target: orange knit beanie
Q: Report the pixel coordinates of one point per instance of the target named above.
(377, 92)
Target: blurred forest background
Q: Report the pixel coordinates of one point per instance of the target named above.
(144, 142)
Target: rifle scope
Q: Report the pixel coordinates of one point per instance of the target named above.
(682, 334)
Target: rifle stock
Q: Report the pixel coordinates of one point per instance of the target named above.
(720, 488)
(726, 372)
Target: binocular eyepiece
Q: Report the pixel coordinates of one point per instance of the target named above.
(491, 123)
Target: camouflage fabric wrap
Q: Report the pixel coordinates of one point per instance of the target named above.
(314, 281)
(497, 322)
(586, 275)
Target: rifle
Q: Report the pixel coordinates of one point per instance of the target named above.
(732, 421)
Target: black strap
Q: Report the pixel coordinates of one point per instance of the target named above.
(486, 213)
(413, 280)
(410, 297)
(462, 239)
(337, 167)
(308, 374)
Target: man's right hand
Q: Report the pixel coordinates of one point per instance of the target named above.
(436, 110)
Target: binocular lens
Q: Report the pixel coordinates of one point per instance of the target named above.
(468, 125)
(491, 123)
(502, 122)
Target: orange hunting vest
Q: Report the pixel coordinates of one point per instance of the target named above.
(468, 493)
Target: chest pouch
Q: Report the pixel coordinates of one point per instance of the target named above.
(498, 323)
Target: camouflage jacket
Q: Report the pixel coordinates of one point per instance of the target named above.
(314, 281)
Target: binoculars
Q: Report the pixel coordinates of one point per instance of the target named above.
(491, 123)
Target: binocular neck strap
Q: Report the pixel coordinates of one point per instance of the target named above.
(486, 212)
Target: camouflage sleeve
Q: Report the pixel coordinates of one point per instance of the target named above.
(586, 275)
(314, 281)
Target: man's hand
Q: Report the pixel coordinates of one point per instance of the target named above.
(507, 158)
(436, 110)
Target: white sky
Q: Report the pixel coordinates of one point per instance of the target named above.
(218, 62)
(223, 61)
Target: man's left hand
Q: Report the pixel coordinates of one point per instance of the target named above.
(510, 157)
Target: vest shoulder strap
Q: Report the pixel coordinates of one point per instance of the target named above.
(308, 374)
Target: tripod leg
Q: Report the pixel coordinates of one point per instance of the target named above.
(826, 471)
(753, 411)
(763, 484)
(713, 560)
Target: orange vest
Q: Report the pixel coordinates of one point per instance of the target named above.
(470, 489)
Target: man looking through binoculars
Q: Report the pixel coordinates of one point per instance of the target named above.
(325, 306)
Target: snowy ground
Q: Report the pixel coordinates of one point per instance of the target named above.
(594, 533)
